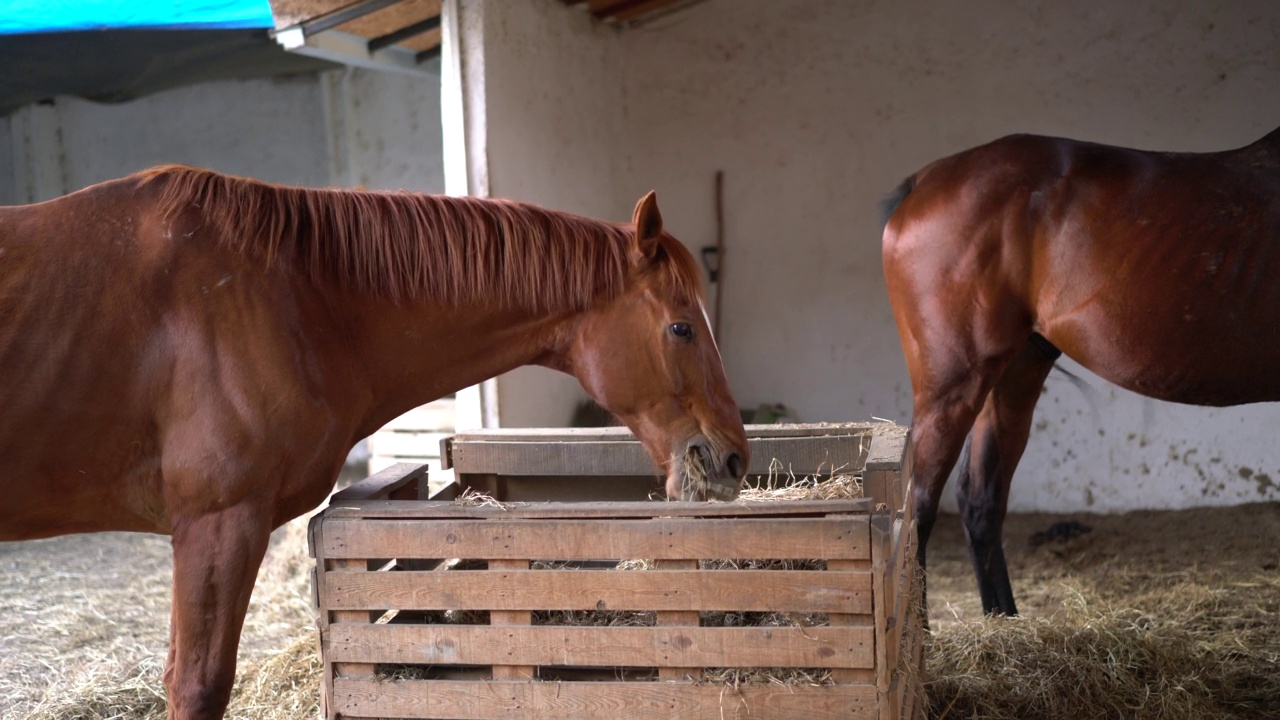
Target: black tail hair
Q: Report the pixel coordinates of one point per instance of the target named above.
(891, 201)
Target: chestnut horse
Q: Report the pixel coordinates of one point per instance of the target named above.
(1157, 271)
(194, 354)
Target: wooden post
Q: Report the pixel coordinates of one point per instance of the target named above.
(678, 618)
(498, 618)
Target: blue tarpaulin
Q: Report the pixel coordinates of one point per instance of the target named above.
(48, 16)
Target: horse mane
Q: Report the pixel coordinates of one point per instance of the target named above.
(402, 245)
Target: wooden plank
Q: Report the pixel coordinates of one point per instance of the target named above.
(889, 446)
(882, 599)
(851, 614)
(565, 488)
(685, 616)
(617, 432)
(405, 12)
(603, 646)
(624, 455)
(481, 700)
(658, 539)
(503, 618)
(382, 484)
(349, 618)
(428, 509)
(663, 590)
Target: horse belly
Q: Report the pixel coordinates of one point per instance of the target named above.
(1176, 356)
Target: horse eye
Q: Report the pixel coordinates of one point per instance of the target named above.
(684, 331)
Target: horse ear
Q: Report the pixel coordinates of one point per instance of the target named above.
(648, 222)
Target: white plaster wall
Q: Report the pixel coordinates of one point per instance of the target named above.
(384, 129)
(345, 127)
(552, 109)
(268, 129)
(816, 109)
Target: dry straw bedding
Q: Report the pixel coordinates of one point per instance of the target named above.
(1149, 616)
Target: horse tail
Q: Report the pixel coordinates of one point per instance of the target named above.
(891, 201)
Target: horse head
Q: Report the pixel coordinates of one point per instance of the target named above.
(649, 357)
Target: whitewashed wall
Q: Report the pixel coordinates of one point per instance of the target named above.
(552, 108)
(815, 110)
(345, 127)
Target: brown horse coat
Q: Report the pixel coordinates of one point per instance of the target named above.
(188, 353)
(1157, 271)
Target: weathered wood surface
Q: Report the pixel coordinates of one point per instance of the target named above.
(653, 539)
(773, 647)
(780, 450)
(683, 589)
(482, 700)
(433, 509)
(384, 484)
(870, 643)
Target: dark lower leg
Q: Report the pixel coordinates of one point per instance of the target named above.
(998, 440)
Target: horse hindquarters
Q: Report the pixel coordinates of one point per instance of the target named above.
(959, 326)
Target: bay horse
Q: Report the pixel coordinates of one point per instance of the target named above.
(1157, 271)
(193, 354)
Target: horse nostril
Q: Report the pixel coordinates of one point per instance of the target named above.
(733, 464)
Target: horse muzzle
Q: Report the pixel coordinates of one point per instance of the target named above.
(703, 473)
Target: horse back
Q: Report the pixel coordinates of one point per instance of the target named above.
(1140, 265)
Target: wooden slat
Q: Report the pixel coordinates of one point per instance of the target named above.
(502, 618)
(427, 509)
(617, 432)
(566, 488)
(666, 538)
(406, 12)
(383, 483)
(348, 669)
(418, 43)
(624, 455)
(686, 616)
(851, 614)
(851, 647)
(480, 700)
(882, 599)
(889, 445)
(664, 590)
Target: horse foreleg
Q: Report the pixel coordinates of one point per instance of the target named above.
(998, 439)
(215, 562)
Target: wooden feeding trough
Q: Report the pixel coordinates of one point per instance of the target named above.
(532, 603)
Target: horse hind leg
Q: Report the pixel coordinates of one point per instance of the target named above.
(997, 442)
(215, 563)
(941, 420)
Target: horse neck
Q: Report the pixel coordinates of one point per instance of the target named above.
(408, 354)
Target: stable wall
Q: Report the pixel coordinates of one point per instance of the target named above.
(814, 111)
(545, 107)
(339, 128)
